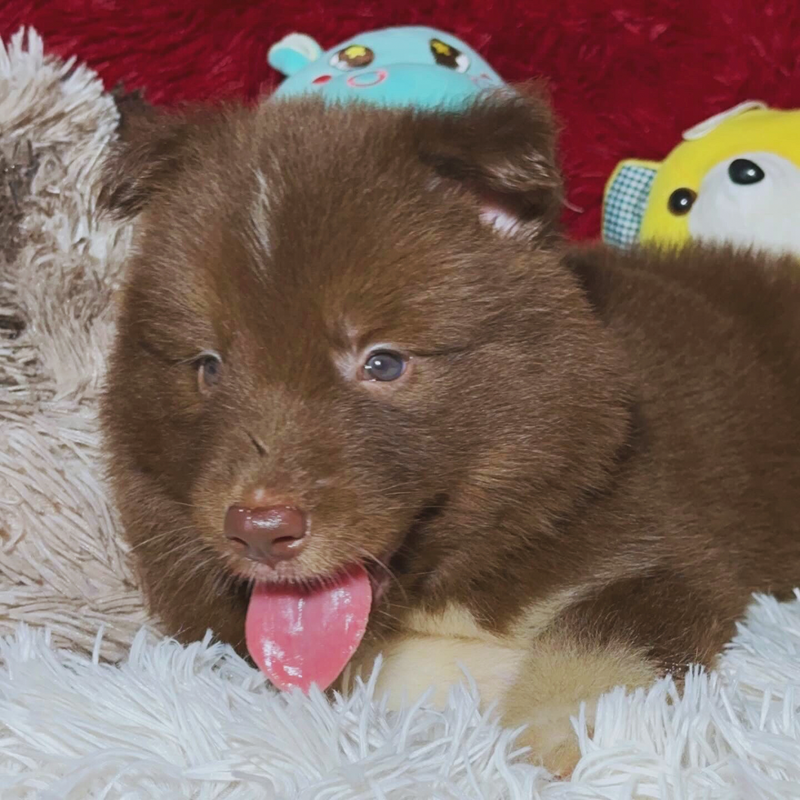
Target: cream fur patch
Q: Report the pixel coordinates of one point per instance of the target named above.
(435, 649)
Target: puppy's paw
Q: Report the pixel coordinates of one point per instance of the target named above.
(552, 739)
(562, 671)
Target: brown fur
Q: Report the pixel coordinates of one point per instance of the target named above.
(592, 464)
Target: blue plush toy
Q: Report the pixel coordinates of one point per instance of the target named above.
(414, 66)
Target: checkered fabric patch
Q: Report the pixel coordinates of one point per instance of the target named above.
(625, 202)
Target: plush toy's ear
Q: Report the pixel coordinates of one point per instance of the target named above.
(292, 53)
(151, 150)
(625, 200)
(502, 148)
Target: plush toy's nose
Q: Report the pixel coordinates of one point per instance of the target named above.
(268, 535)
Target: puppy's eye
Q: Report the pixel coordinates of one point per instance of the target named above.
(209, 372)
(384, 365)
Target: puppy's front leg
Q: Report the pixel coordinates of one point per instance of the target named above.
(626, 634)
(560, 673)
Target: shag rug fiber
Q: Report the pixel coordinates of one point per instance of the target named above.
(61, 560)
(170, 722)
(129, 715)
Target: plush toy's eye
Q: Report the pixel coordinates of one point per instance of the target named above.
(681, 201)
(744, 172)
(353, 56)
(445, 55)
(209, 372)
(384, 365)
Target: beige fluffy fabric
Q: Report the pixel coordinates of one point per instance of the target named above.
(62, 563)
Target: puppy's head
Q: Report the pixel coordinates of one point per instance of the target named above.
(357, 318)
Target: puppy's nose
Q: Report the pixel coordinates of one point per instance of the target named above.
(269, 534)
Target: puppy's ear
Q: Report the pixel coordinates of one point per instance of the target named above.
(151, 150)
(503, 149)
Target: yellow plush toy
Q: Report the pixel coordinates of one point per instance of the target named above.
(734, 178)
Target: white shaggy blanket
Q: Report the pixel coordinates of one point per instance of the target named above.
(141, 717)
(174, 722)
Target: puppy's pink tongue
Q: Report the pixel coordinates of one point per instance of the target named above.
(299, 637)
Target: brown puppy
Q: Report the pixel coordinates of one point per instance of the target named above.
(575, 466)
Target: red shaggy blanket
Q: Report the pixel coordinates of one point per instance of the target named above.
(627, 76)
